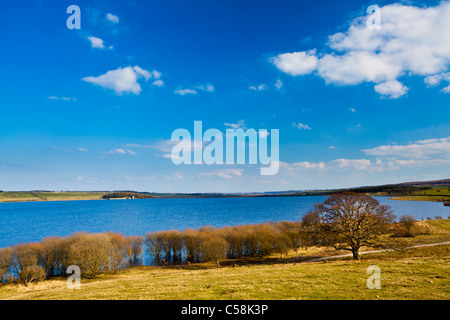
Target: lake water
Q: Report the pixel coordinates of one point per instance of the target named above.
(33, 221)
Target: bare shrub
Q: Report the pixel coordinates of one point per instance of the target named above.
(5, 260)
(175, 243)
(24, 263)
(52, 256)
(265, 239)
(90, 252)
(405, 228)
(192, 240)
(117, 250)
(134, 250)
(33, 273)
(154, 245)
(213, 247)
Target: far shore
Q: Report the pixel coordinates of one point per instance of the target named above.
(97, 196)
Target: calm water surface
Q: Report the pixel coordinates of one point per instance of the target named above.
(33, 221)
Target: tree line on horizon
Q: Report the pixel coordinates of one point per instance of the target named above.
(345, 221)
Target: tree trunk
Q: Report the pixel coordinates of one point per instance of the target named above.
(355, 252)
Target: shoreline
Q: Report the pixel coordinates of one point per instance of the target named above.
(400, 198)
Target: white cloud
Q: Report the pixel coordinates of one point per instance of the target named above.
(301, 126)
(121, 151)
(352, 109)
(207, 87)
(96, 42)
(423, 149)
(308, 165)
(359, 164)
(278, 84)
(392, 89)
(296, 63)
(158, 83)
(412, 41)
(122, 80)
(196, 89)
(436, 79)
(260, 87)
(82, 149)
(112, 18)
(446, 89)
(225, 174)
(239, 125)
(183, 92)
(62, 98)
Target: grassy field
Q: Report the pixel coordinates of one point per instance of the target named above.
(433, 194)
(48, 196)
(421, 273)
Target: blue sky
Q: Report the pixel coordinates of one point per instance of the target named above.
(94, 109)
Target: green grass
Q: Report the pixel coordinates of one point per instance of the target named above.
(433, 194)
(438, 191)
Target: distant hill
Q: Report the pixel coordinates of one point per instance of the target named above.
(434, 183)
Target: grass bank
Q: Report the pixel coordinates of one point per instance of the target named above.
(49, 196)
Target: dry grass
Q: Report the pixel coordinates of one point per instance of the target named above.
(420, 273)
(423, 273)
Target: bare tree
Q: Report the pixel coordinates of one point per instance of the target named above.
(134, 250)
(408, 223)
(90, 252)
(213, 248)
(24, 263)
(117, 250)
(5, 260)
(348, 221)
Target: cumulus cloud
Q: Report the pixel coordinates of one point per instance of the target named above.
(183, 92)
(158, 83)
(123, 80)
(423, 149)
(296, 63)
(392, 89)
(381, 56)
(436, 79)
(96, 42)
(113, 18)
